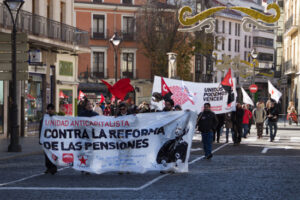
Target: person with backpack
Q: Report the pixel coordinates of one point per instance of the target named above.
(259, 116)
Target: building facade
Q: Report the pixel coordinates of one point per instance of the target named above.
(102, 19)
(54, 45)
(232, 41)
(291, 50)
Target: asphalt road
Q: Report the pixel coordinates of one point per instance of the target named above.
(257, 169)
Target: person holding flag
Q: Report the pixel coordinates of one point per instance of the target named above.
(272, 115)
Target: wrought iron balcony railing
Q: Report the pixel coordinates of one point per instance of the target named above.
(289, 67)
(107, 34)
(44, 27)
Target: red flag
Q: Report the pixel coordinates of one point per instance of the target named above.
(227, 81)
(81, 95)
(164, 88)
(62, 95)
(102, 98)
(227, 84)
(120, 88)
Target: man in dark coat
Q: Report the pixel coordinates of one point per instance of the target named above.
(87, 110)
(207, 122)
(237, 120)
(51, 168)
(272, 115)
(221, 121)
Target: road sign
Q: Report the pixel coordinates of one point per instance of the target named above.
(7, 76)
(253, 88)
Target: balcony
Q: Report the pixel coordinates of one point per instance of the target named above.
(291, 26)
(128, 36)
(289, 68)
(107, 34)
(279, 39)
(43, 27)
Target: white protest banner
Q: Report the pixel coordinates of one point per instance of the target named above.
(132, 143)
(192, 96)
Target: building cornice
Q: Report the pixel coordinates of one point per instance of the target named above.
(106, 6)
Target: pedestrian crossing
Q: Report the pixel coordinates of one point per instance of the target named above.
(197, 137)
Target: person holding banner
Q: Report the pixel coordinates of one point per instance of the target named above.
(51, 168)
(169, 105)
(207, 122)
(88, 110)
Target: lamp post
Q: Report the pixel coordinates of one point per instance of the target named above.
(172, 71)
(14, 6)
(116, 41)
(254, 55)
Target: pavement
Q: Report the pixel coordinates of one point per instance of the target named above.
(30, 145)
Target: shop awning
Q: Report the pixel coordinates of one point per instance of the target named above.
(93, 87)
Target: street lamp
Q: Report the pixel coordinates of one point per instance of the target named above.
(14, 6)
(116, 41)
(172, 71)
(254, 55)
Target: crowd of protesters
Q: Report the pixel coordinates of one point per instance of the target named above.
(210, 125)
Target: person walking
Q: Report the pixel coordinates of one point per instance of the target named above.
(50, 167)
(218, 131)
(259, 116)
(207, 122)
(237, 120)
(272, 115)
(268, 106)
(228, 125)
(246, 119)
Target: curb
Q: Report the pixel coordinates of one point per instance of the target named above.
(21, 155)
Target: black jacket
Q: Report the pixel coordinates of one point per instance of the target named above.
(272, 111)
(87, 113)
(207, 121)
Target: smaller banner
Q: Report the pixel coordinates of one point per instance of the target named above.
(192, 96)
(133, 143)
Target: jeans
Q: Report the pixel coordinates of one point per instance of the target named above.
(227, 133)
(245, 128)
(207, 139)
(273, 134)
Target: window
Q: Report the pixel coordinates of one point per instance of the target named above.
(127, 1)
(223, 26)
(229, 28)
(235, 45)
(127, 65)
(249, 42)
(216, 43)
(223, 43)
(245, 44)
(239, 30)
(198, 61)
(238, 46)
(217, 26)
(229, 44)
(97, 1)
(236, 27)
(265, 57)
(98, 26)
(98, 64)
(198, 7)
(263, 41)
(128, 28)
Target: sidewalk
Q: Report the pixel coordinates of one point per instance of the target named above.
(286, 126)
(30, 146)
